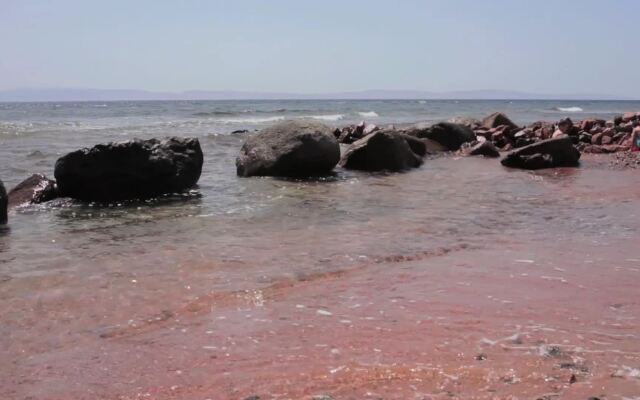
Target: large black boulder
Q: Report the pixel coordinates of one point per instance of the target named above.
(3, 204)
(290, 149)
(550, 153)
(382, 150)
(448, 134)
(34, 190)
(134, 169)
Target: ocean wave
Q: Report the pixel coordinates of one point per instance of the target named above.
(368, 114)
(568, 109)
(330, 117)
(252, 120)
(248, 111)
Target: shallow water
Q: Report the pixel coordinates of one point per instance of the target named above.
(359, 285)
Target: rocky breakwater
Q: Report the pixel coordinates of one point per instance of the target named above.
(134, 169)
(589, 135)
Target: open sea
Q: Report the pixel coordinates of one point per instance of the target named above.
(460, 278)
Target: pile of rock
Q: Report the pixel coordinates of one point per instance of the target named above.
(589, 135)
(307, 148)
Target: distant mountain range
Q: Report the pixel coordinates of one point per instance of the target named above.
(112, 95)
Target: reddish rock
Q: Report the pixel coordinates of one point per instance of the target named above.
(628, 116)
(34, 190)
(604, 149)
(609, 132)
(606, 140)
(597, 138)
(587, 124)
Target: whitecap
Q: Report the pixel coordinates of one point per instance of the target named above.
(330, 117)
(250, 120)
(368, 114)
(422, 101)
(569, 109)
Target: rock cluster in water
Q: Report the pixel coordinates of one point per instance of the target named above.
(140, 169)
(589, 135)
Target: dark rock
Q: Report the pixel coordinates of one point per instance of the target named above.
(544, 154)
(597, 138)
(254, 397)
(135, 169)
(617, 120)
(486, 149)
(521, 142)
(448, 134)
(382, 150)
(34, 190)
(418, 146)
(3, 204)
(496, 119)
(584, 138)
(587, 124)
(239, 131)
(291, 149)
(434, 147)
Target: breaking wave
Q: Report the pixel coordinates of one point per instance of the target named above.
(568, 109)
(330, 117)
(368, 114)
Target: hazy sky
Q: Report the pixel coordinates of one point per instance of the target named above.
(322, 46)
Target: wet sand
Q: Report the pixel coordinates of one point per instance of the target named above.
(516, 314)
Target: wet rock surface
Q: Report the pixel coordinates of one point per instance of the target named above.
(134, 169)
(289, 149)
(484, 148)
(447, 134)
(550, 153)
(382, 150)
(35, 189)
(3, 204)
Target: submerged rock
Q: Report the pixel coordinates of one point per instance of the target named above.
(135, 169)
(550, 153)
(382, 150)
(34, 190)
(448, 134)
(3, 204)
(291, 148)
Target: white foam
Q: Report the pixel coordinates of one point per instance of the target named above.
(368, 114)
(253, 120)
(570, 109)
(330, 117)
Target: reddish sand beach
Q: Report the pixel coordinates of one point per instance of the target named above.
(510, 298)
